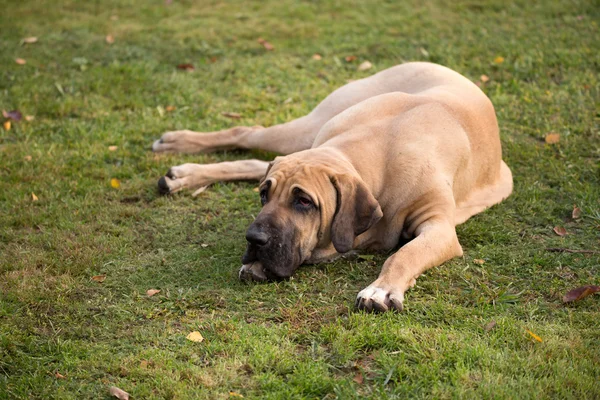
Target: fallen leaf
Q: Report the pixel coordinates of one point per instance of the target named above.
(109, 39)
(118, 393)
(358, 378)
(58, 375)
(170, 108)
(489, 326)
(350, 58)
(152, 292)
(20, 61)
(114, 17)
(479, 261)
(204, 245)
(365, 66)
(235, 394)
(576, 212)
(115, 183)
(6, 125)
(27, 158)
(233, 115)
(499, 60)
(99, 278)
(186, 67)
(113, 148)
(552, 138)
(143, 364)
(580, 293)
(29, 40)
(533, 335)
(560, 231)
(256, 190)
(266, 44)
(316, 56)
(34, 197)
(424, 51)
(195, 337)
(15, 115)
(484, 78)
(29, 118)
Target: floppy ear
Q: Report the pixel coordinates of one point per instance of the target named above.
(356, 211)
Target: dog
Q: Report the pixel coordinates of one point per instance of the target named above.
(404, 155)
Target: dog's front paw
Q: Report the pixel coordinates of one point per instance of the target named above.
(379, 298)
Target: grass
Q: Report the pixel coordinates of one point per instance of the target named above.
(300, 338)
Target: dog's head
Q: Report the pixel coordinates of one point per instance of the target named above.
(309, 202)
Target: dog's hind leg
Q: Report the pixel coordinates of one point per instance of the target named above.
(199, 176)
(284, 139)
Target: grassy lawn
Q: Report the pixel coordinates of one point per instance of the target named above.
(66, 336)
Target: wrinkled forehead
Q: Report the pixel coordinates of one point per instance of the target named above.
(287, 174)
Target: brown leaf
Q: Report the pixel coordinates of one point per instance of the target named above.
(113, 148)
(358, 378)
(118, 393)
(560, 230)
(58, 375)
(99, 278)
(6, 125)
(20, 61)
(266, 44)
(350, 58)
(27, 158)
(576, 212)
(152, 292)
(552, 138)
(195, 337)
(29, 40)
(316, 56)
(29, 118)
(489, 326)
(143, 364)
(186, 67)
(34, 197)
(479, 261)
(533, 335)
(365, 66)
(170, 108)
(15, 115)
(580, 293)
(233, 115)
(110, 39)
(484, 78)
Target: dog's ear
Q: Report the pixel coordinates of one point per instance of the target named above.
(355, 212)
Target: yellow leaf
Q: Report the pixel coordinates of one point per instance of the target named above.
(533, 335)
(365, 66)
(118, 393)
(113, 148)
(115, 183)
(29, 118)
(499, 60)
(20, 61)
(195, 337)
(235, 394)
(316, 57)
(479, 261)
(30, 40)
(7, 125)
(109, 39)
(99, 278)
(552, 138)
(484, 78)
(34, 197)
(152, 292)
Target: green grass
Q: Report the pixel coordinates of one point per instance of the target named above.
(300, 338)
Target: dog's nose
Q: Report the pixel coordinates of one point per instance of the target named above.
(256, 236)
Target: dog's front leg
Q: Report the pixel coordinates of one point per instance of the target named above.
(435, 242)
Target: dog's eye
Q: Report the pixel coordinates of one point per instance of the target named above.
(263, 196)
(304, 202)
